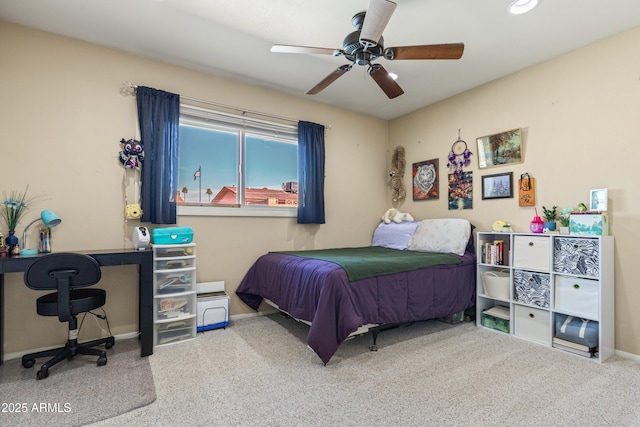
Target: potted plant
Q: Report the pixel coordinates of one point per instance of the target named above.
(550, 216)
(565, 220)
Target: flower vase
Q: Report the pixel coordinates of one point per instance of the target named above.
(12, 242)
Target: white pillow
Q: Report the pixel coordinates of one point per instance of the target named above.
(447, 235)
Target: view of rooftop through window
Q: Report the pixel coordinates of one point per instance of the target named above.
(210, 170)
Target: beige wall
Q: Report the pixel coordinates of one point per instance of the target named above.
(63, 117)
(579, 114)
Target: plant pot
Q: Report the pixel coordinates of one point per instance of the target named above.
(564, 230)
(551, 226)
(11, 241)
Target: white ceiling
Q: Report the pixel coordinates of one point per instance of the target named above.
(232, 38)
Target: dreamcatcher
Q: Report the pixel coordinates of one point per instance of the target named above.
(459, 157)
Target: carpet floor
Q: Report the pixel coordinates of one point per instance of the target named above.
(259, 371)
(76, 392)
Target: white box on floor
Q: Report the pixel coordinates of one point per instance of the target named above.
(212, 306)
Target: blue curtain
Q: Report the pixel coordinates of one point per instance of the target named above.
(159, 120)
(310, 173)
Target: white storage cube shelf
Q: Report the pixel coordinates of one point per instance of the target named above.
(548, 275)
(174, 300)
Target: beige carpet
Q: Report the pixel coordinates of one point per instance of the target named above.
(76, 392)
(259, 372)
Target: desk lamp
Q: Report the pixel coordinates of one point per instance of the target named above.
(49, 219)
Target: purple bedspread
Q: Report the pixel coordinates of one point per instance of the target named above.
(319, 292)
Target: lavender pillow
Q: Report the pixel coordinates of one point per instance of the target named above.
(394, 235)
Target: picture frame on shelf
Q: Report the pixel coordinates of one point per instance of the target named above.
(598, 199)
(425, 176)
(497, 186)
(500, 149)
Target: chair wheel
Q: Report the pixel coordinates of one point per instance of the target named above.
(28, 363)
(102, 360)
(42, 374)
(108, 345)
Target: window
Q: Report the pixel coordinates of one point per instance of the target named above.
(236, 166)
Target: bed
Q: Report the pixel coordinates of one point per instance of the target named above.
(413, 271)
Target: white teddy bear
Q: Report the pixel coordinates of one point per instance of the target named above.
(396, 216)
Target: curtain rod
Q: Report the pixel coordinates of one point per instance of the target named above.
(130, 89)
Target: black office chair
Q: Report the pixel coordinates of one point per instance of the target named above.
(66, 272)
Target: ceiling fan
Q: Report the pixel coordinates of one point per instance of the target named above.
(366, 44)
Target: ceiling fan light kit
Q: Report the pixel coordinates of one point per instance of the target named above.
(366, 45)
(519, 7)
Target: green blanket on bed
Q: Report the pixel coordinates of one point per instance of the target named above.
(362, 263)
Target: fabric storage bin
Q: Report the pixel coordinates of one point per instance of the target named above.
(496, 283)
(532, 288)
(531, 252)
(577, 256)
(171, 235)
(577, 330)
(577, 296)
(532, 324)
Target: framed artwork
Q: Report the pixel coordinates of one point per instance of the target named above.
(500, 149)
(461, 191)
(598, 199)
(498, 186)
(425, 180)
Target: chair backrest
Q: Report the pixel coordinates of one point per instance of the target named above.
(62, 272)
(70, 270)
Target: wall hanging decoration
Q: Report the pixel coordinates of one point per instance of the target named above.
(425, 180)
(497, 186)
(461, 191)
(459, 157)
(132, 158)
(526, 190)
(500, 149)
(396, 175)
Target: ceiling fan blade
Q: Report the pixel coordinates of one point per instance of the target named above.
(375, 20)
(428, 51)
(282, 48)
(329, 79)
(384, 80)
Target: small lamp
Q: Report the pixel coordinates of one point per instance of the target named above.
(49, 219)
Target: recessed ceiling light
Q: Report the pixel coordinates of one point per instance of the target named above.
(518, 7)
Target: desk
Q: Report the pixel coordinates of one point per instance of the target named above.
(144, 261)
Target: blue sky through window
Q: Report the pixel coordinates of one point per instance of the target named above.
(269, 163)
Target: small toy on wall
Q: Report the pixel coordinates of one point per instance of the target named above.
(396, 174)
(132, 154)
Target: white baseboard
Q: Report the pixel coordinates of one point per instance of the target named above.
(627, 355)
(256, 314)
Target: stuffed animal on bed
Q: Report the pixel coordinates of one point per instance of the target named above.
(396, 175)
(396, 216)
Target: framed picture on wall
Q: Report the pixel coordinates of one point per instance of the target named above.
(425, 180)
(500, 149)
(460, 191)
(498, 186)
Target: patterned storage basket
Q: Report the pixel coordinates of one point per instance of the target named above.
(532, 288)
(576, 256)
